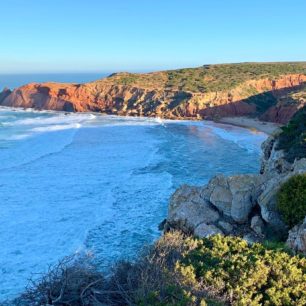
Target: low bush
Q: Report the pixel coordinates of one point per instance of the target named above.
(291, 200)
(181, 271)
(244, 274)
(293, 137)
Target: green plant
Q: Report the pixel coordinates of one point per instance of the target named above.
(246, 274)
(291, 200)
(181, 271)
(293, 137)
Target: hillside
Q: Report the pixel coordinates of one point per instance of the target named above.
(270, 91)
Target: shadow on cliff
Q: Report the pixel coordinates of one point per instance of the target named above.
(275, 105)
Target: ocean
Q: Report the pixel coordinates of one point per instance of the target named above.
(16, 80)
(99, 184)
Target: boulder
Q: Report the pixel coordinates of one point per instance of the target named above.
(206, 230)
(226, 227)
(251, 238)
(233, 196)
(189, 208)
(268, 198)
(257, 225)
(297, 238)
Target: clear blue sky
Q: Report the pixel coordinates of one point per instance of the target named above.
(136, 35)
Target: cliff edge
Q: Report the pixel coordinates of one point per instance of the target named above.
(246, 205)
(269, 91)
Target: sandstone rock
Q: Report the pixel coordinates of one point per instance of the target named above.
(147, 96)
(297, 238)
(206, 230)
(187, 206)
(257, 225)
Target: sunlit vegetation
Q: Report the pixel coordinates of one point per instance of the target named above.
(181, 271)
(293, 137)
(208, 77)
(291, 200)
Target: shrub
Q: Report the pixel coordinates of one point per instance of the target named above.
(181, 271)
(291, 200)
(73, 281)
(244, 274)
(293, 137)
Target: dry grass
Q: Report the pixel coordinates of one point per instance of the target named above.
(75, 281)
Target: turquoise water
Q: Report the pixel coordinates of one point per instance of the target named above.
(99, 184)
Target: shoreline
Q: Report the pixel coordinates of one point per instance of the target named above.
(241, 121)
(251, 123)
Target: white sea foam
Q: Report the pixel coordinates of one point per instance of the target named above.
(101, 184)
(53, 128)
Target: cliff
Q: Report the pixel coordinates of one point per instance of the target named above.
(246, 205)
(270, 91)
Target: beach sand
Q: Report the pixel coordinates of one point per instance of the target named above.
(251, 123)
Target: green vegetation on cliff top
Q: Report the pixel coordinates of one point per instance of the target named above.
(291, 200)
(293, 137)
(208, 77)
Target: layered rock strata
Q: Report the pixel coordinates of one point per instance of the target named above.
(110, 96)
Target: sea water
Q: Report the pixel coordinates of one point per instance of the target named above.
(100, 184)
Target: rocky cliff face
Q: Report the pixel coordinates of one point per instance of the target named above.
(265, 97)
(243, 205)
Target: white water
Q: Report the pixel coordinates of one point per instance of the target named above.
(99, 183)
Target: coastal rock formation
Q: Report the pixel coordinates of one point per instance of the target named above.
(213, 208)
(233, 196)
(191, 213)
(5, 93)
(297, 238)
(257, 225)
(268, 91)
(275, 170)
(241, 204)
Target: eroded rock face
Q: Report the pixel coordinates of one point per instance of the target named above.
(234, 196)
(297, 238)
(107, 96)
(272, 183)
(257, 225)
(188, 210)
(248, 202)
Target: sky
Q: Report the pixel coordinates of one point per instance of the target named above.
(41, 36)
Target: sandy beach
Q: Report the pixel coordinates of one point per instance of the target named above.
(251, 123)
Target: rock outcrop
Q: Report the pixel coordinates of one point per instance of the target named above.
(275, 170)
(240, 204)
(297, 238)
(157, 95)
(233, 196)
